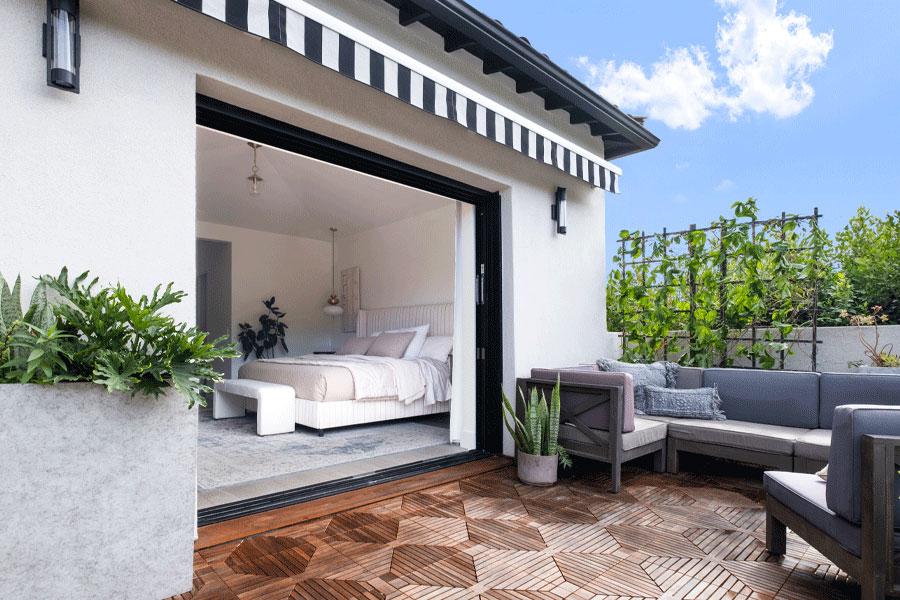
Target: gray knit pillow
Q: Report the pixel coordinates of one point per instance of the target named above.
(662, 374)
(697, 403)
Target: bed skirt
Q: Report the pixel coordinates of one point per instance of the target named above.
(327, 415)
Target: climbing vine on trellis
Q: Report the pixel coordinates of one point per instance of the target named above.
(709, 296)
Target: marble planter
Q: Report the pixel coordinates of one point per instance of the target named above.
(98, 494)
(877, 370)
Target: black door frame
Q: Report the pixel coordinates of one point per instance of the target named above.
(228, 118)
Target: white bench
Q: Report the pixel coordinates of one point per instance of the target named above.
(275, 407)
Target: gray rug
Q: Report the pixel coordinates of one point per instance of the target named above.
(230, 452)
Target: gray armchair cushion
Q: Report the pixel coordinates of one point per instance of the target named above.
(737, 434)
(814, 444)
(696, 403)
(785, 398)
(597, 417)
(645, 432)
(660, 374)
(855, 388)
(805, 495)
(851, 422)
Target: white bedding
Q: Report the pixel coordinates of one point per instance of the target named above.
(381, 378)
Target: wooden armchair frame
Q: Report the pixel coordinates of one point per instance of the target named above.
(598, 449)
(876, 570)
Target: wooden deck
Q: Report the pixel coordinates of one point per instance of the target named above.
(488, 537)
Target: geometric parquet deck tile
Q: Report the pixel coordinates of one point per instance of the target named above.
(688, 536)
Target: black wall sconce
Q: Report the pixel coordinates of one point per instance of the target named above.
(558, 210)
(62, 44)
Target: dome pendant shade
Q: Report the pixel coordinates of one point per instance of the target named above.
(333, 308)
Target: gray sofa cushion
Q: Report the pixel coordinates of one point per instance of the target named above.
(814, 444)
(851, 422)
(696, 403)
(645, 432)
(737, 434)
(805, 494)
(855, 388)
(661, 374)
(689, 378)
(789, 399)
(597, 417)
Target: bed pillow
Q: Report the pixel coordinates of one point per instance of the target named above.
(696, 403)
(391, 345)
(660, 374)
(437, 347)
(356, 345)
(415, 347)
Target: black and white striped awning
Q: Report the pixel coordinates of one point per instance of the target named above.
(339, 52)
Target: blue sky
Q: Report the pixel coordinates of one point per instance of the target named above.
(837, 151)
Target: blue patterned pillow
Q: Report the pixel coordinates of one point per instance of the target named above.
(698, 403)
(662, 374)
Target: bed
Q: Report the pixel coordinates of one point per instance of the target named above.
(337, 391)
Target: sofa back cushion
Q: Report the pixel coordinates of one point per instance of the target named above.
(689, 378)
(785, 398)
(597, 417)
(851, 422)
(855, 388)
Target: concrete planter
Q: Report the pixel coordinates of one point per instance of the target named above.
(537, 470)
(98, 495)
(877, 370)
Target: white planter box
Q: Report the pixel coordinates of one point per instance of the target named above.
(98, 493)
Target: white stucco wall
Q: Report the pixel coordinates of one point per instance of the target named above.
(105, 179)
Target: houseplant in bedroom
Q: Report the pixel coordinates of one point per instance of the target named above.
(536, 436)
(98, 451)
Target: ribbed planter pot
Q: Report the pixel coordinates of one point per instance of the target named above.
(536, 470)
(98, 496)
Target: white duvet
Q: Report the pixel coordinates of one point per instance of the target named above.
(382, 378)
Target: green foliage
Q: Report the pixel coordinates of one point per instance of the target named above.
(263, 343)
(688, 296)
(104, 335)
(868, 252)
(539, 434)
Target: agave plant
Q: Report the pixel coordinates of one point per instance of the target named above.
(539, 434)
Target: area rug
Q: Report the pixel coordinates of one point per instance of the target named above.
(230, 452)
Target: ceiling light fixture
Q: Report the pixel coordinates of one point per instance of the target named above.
(333, 308)
(254, 179)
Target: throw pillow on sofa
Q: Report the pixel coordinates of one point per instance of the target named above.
(698, 403)
(660, 374)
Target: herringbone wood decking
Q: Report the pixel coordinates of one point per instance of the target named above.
(490, 538)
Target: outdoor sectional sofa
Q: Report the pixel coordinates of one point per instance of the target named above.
(775, 419)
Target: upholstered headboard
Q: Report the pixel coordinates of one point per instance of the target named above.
(439, 316)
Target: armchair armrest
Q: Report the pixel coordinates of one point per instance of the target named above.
(880, 456)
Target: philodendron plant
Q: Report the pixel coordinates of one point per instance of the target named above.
(539, 433)
(80, 331)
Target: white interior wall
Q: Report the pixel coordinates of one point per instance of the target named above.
(297, 271)
(123, 203)
(407, 262)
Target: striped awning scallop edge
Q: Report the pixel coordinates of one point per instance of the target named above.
(285, 26)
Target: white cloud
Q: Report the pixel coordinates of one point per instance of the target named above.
(724, 185)
(682, 165)
(765, 58)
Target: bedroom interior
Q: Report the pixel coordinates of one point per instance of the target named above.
(367, 277)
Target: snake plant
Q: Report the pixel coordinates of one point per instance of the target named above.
(539, 433)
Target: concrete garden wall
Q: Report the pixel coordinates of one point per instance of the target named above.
(839, 345)
(98, 493)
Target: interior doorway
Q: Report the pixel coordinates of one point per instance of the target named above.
(214, 293)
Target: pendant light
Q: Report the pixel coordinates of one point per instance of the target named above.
(254, 179)
(333, 308)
